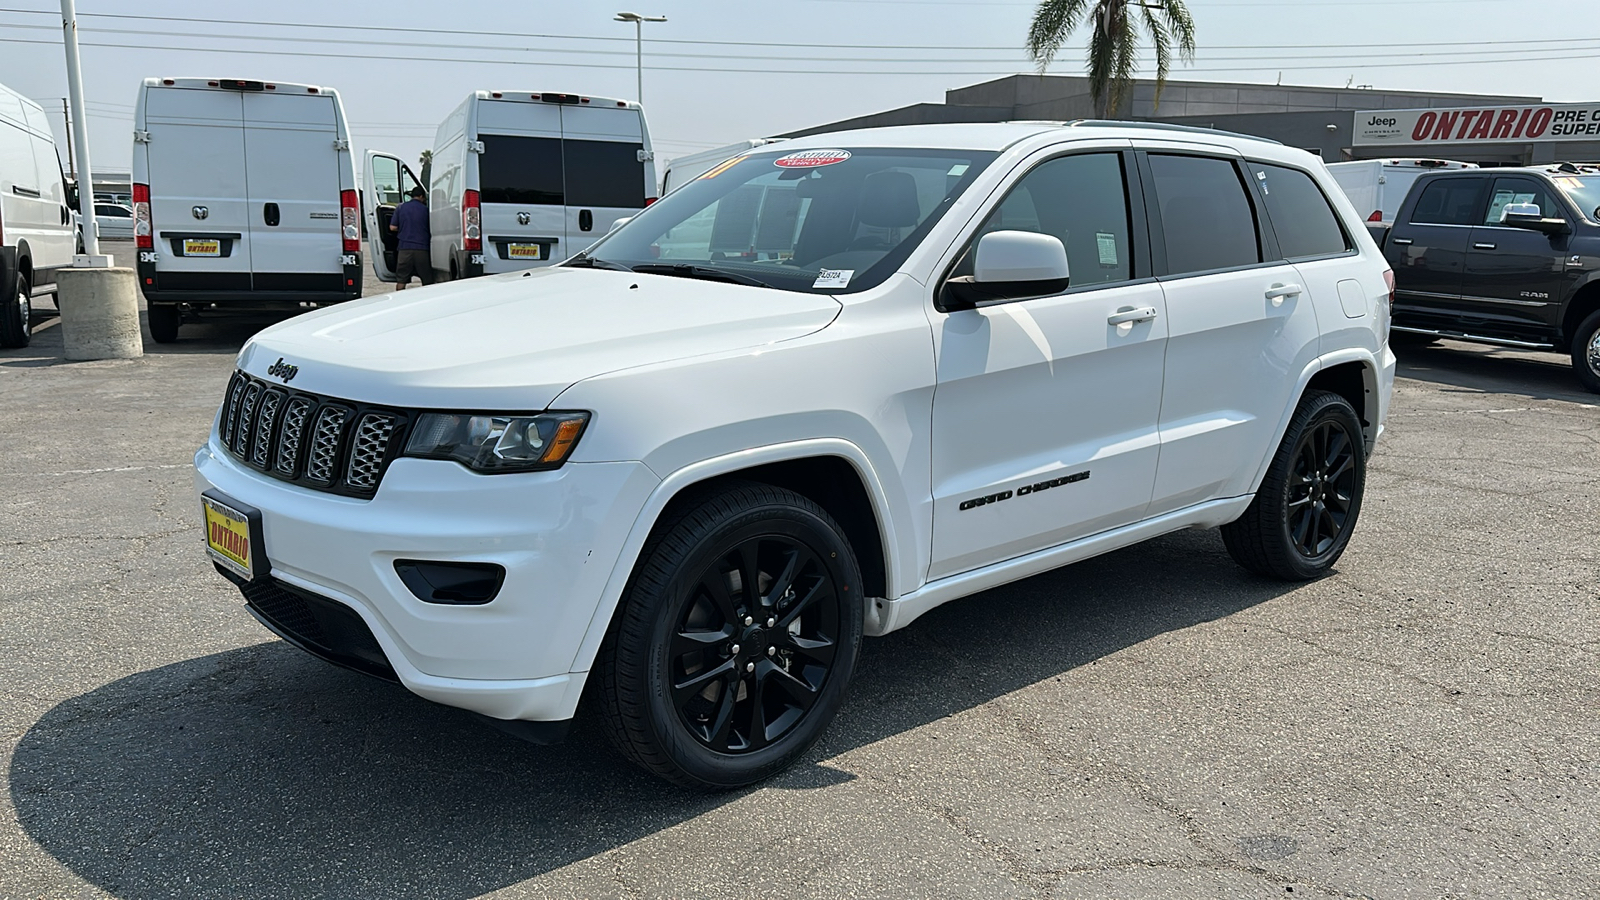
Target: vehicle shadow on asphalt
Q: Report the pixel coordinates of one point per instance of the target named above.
(1493, 370)
(264, 771)
(208, 338)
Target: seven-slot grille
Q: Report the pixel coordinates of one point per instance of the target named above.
(314, 441)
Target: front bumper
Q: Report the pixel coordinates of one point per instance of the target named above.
(556, 533)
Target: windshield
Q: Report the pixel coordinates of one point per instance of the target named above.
(1584, 191)
(824, 221)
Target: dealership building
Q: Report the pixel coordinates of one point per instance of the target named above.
(1338, 124)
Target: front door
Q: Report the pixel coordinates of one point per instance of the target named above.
(1044, 415)
(1242, 327)
(1513, 275)
(292, 171)
(1429, 251)
(386, 183)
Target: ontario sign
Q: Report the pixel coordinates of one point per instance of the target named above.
(1530, 123)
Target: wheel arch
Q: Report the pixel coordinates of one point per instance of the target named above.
(834, 473)
(1352, 374)
(1585, 301)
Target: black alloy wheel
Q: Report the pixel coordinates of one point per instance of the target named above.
(16, 316)
(736, 639)
(1303, 514)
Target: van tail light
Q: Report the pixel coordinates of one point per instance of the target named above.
(1377, 216)
(349, 219)
(1388, 282)
(471, 222)
(144, 234)
(650, 200)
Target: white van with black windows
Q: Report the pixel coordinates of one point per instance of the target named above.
(244, 199)
(37, 231)
(520, 179)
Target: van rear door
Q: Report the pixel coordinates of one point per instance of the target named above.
(386, 182)
(604, 166)
(198, 207)
(520, 185)
(292, 177)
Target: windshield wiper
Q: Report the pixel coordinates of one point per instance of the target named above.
(583, 261)
(705, 273)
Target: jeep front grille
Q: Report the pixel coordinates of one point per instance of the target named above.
(308, 439)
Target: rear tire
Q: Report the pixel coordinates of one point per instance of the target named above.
(712, 685)
(1586, 353)
(164, 322)
(16, 317)
(1300, 520)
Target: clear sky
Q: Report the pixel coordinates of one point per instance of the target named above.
(718, 72)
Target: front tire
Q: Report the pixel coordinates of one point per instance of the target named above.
(1586, 353)
(16, 317)
(736, 640)
(1300, 520)
(164, 322)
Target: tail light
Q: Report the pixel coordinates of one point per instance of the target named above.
(1388, 282)
(1377, 216)
(650, 200)
(350, 226)
(471, 222)
(143, 231)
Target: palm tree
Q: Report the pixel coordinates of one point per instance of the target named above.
(427, 167)
(1114, 42)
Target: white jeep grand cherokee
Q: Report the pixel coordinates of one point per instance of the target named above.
(807, 397)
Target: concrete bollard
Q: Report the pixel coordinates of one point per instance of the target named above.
(99, 313)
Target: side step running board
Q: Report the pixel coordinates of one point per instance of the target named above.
(1475, 338)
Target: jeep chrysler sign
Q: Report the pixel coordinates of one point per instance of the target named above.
(1477, 125)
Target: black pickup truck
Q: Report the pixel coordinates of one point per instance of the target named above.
(1501, 256)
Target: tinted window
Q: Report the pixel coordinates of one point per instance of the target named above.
(1448, 201)
(1301, 215)
(514, 169)
(1206, 214)
(1083, 201)
(1520, 190)
(604, 173)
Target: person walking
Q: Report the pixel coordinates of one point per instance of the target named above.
(410, 221)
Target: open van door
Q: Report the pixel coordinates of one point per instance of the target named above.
(387, 181)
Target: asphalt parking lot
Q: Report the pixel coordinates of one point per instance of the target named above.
(1154, 722)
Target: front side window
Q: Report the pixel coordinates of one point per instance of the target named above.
(1082, 200)
(1206, 214)
(1448, 201)
(1302, 217)
(825, 221)
(1520, 190)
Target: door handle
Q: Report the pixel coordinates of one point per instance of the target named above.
(270, 214)
(1129, 316)
(1277, 292)
(1482, 246)
(1404, 242)
(585, 220)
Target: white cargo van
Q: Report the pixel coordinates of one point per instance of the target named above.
(687, 168)
(1376, 186)
(36, 227)
(244, 199)
(519, 179)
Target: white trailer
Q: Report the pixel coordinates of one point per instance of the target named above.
(684, 169)
(1376, 187)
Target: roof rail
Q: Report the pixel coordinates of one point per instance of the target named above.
(1163, 126)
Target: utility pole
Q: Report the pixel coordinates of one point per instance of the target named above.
(638, 43)
(72, 164)
(79, 129)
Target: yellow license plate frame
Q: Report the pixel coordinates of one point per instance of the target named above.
(209, 247)
(524, 251)
(233, 535)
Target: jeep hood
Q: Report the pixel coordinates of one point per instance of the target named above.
(516, 341)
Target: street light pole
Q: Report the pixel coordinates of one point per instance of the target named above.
(78, 128)
(638, 43)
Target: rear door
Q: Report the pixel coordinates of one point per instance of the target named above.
(520, 184)
(1428, 250)
(1513, 275)
(292, 178)
(198, 203)
(387, 182)
(604, 166)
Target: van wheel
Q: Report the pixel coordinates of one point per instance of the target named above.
(1301, 519)
(1586, 353)
(16, 318)
(164, 322)
(736, 639)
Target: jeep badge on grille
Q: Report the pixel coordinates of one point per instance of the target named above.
(281, 369)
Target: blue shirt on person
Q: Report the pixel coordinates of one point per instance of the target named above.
(411, 217)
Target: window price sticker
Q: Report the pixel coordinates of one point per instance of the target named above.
(833, 278)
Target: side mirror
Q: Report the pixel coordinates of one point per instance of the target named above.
(619, 223)
(1009, 265)
(1528, 215)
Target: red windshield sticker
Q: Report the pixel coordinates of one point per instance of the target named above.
(811, 159)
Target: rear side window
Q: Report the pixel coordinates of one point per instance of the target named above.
(1206, 215)
(1448, 201)
(1301, 215)
(604, 173)
(518, 169)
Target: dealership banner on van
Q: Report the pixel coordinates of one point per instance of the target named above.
(1534, 123)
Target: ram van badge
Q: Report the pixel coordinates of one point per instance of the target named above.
(200, 212)
(523, 218)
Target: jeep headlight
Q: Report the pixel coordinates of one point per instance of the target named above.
(494, 443)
